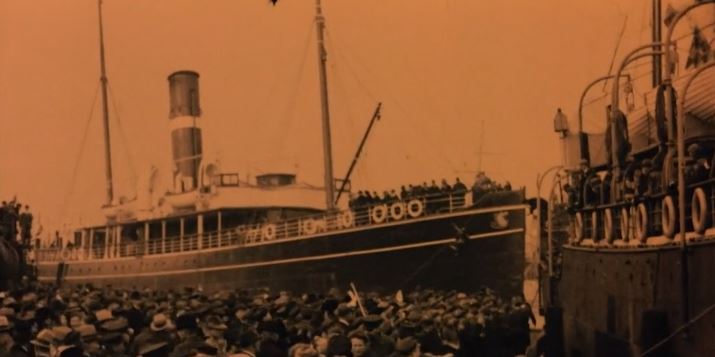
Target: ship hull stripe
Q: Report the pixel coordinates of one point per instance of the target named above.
(318, 235)
(292, 260)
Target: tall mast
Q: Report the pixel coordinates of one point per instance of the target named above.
(656, 37)
(105, 111)
(327, 146)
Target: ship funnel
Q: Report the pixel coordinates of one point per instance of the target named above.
(184, 113)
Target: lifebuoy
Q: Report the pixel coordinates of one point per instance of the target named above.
(668, 217)
(594, 225)
(641, 220)
(625, 223)
(397, 211)
(347, 219)
(379, 213)
(309, 226)
(269, 232)
(699, 210)
(608, 225)
(66, 254)
(578, 227)
(415, 208)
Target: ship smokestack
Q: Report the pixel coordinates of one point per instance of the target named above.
(184, 112)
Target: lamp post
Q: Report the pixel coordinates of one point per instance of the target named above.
(539, 181)
(667, 80)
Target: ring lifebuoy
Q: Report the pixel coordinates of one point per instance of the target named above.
(309, 226)
(269, 232)
(668, 217)
(594, 225)
(397, 211)
(379, 213)
(578, 227)
(625, 224)
(415, 208)
(699, 210)
(347, 219)
(66, 254)
(608, 225)
(641, 226)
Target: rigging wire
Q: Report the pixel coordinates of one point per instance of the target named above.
(133, 173)
(439, 155)
(288, 114)
(75, 169)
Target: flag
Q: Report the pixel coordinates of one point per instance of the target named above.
(699, 49)
(669, 15)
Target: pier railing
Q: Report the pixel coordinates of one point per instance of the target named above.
(260, 233)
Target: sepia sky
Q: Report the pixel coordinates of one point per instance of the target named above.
(455, 77)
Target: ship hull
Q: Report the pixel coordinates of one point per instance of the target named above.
(602, 316)
(418, 253)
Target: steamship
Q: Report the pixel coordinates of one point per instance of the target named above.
(634, 245)
(217, 231)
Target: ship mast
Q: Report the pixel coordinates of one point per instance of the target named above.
(656, 37)
(105, 112)
(327, 146)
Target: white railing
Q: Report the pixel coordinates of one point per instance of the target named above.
(372, 215)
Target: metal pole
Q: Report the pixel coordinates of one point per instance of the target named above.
(667, 79)
(327, 145)
(583, 97)
(550, 226)
(375, 116)
(539, 181)
(105, 112)
(656, 38)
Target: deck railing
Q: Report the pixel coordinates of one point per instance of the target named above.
(243, 235)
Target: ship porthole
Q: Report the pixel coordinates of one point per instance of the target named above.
(668, 217)
(699, 210)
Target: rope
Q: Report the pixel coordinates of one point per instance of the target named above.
(424, 265)
(679, 329)
(289, 112)
(123, 137)
(75, 169)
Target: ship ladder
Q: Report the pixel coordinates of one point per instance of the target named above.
(669, 217)
(699, 207)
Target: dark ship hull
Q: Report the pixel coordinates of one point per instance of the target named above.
(419, 252)
(602, 315)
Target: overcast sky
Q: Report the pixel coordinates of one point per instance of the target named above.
(443, 69)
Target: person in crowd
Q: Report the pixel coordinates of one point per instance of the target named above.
(94, 321)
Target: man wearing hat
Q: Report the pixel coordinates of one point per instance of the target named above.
(6, 341)
(407, 347)
(188, 335)
(339, 346)
(160, 329)
(43, 343)
(154, 349)
(214, 329)
(89, 339)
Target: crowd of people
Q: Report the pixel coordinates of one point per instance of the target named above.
(15, 222)
(41, 320)
(436, 196)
